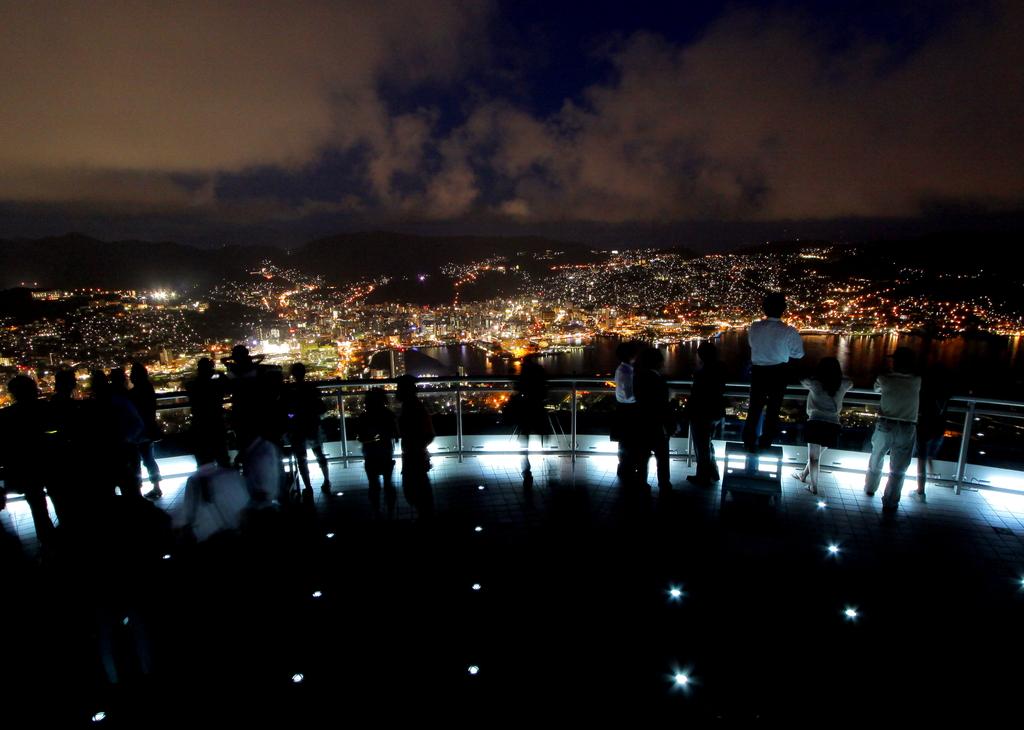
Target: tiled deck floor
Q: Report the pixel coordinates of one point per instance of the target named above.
(990, 523)
(574, 617)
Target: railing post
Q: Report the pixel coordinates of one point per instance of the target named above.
(344, 430)
(965, 443)
(458, 418)
(572, 425)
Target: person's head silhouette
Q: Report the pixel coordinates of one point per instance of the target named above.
(375, 400)
(774, 304)
(903, 360)
(204, 368)
(707, 352)
(139, 374)
(64, 382)
(406, 385)
(23, 389)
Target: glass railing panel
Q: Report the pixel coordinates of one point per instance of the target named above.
(596, 411)
(994, 456)
(486, 422)
(175, 423)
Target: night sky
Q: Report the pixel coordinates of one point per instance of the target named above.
(610, 122)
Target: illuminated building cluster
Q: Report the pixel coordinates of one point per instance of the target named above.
(507, 306)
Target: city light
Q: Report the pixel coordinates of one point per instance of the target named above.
(851, 613)
(474, 669)
(833, 549)
(297, 678)
(675, 593)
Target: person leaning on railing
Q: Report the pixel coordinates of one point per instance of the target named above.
(622, 429)
(773, 346)
(896, 429)
(705, 408)
(825, 392)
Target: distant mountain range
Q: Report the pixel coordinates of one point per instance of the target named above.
(75, 260)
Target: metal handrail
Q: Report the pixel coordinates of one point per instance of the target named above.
(461, 385)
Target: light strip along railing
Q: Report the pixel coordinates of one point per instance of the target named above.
(969, 406)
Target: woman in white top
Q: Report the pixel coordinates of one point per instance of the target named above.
(824, 403)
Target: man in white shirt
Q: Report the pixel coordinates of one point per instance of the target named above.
(625, 407)
(896, 429)
(773, 345)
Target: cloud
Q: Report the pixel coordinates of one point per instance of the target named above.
(142, 88)
(762, 119)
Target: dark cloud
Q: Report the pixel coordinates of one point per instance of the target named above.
(763, 119)
(236, 112)
(96, 91)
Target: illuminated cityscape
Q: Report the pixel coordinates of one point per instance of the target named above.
(499, 305)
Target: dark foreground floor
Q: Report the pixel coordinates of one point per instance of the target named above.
(573, 619)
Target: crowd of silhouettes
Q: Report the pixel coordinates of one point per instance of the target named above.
(912, 409)
(78, 451)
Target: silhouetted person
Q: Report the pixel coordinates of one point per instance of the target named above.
(625, 408)
(825, 392)
(655, 422)
(22, 445)
(102, 423)
(273, 405)
(65, 455)
(207, 434)
(417, 432)
(244, 386)
(305, 407)
(931, 423)
(143, 397)
(705, 409)
(531, 390)
(378, 433)
(896, 428)
(773, 344)
(130, 431)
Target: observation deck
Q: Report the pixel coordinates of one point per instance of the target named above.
(573, 598)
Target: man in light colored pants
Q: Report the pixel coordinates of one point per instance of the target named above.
(896, 438)
(896, 430)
